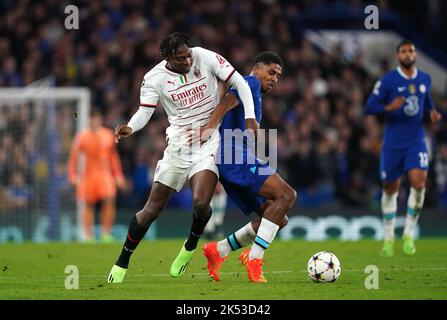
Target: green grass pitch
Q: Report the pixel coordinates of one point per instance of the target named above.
(37, 271)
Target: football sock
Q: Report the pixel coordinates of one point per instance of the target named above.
(218, 204)
(191, 242)
(389, 209)
(414, 207)
(198, 225)
(266, 233)
(134, 235)
(241, 238)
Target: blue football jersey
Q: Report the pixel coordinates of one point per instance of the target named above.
(404, 126)
(235, 119)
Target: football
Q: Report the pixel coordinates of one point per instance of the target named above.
(324, 266)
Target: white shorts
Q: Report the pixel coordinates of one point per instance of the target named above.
(173, 172)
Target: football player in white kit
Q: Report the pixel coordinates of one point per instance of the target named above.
(185, 84)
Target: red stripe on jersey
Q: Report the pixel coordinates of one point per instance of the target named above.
(185, 85)
(188, 124)
(148, 105)
(200, 112)
(229, 76)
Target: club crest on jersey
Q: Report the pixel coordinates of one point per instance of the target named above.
(412, 107)
(197, 73)
(422, 88)
(412, 88)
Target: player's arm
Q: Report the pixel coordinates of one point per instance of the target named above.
(117, 169)
(73, 160)
(375, 103)
(435, 115)
(244, 92)
(225, 72)
(148, 102)
(228, 102)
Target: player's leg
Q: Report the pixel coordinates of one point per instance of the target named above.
(218, 204)
(245, 235)
(217, 252)
(283, 197)
(88, 217)
(390, 192)
(203, 184)
(391, 169)
(108, 213)
(158, 198)
(418, 179)
(107, 189)
(87, 195)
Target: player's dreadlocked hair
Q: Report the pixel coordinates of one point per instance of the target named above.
(172, 42)
(268, 57)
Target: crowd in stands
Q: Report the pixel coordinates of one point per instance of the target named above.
(328, 149)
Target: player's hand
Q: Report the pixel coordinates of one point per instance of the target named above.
(121, 131)
(202, 135)
(395, 104)
(435, 116)
(121, 183)
(253, 126)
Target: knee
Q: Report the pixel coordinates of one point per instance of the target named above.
(419, 186)
(390, 189)
(289, 196)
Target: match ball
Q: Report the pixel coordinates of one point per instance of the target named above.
(324, 266)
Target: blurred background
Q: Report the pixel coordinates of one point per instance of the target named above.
(328, 150)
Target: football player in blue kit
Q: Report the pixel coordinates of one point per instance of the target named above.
(250, 183)
(403, 95)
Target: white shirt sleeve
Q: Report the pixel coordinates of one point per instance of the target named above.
(226, 72)
(244, 92)
(149, 95)
(140, 118)
(217, 64)
(148, 102)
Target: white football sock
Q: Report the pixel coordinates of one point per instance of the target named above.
(266, 233)
(241, 238)
(218, 204)
(414, 207)
(389, 209)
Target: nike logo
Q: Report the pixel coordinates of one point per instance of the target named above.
(400, 89)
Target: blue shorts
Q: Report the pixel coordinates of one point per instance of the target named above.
(242, 183)
(394, 162)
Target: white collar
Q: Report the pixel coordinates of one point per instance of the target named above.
(404, 75)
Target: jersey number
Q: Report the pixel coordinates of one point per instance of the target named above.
(423, 159)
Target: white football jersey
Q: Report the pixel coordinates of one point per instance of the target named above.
(187, 99)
